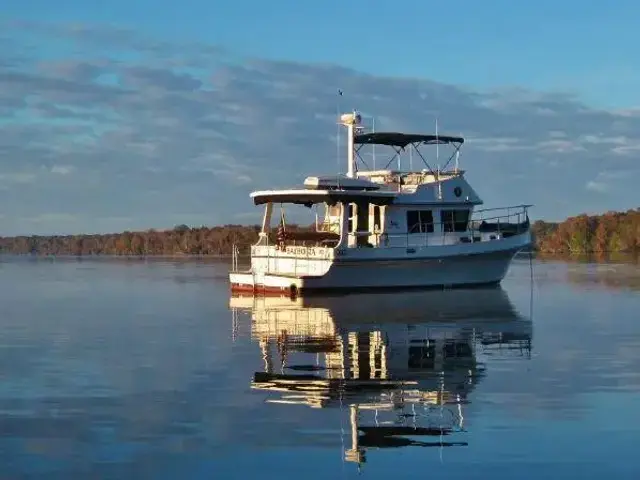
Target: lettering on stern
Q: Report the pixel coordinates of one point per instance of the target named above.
(307, 251)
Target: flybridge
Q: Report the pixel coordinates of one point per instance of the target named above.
(357, 139)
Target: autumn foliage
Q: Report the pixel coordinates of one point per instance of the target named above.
(611, 232)
(181, 240)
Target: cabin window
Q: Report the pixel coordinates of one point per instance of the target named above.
(419, 221)
(454, 220)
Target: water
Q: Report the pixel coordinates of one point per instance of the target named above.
(134, 369)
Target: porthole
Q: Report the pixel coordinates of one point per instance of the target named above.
(457, 191)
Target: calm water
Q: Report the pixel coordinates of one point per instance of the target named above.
(133, 369)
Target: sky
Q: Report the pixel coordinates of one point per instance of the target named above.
(141, 115)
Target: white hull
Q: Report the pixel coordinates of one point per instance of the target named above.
(348, 273)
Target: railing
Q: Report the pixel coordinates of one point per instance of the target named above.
(521, 212)
(292, 241)
(484, 225)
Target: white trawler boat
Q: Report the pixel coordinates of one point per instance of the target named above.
(385, 228)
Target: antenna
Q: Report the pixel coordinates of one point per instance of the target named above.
(457, 162)
(438, 162)
(411, 160)
(437, 146)
(373, 119)
(338, 136)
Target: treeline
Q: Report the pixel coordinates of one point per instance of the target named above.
(608, 233)
(181, 240)
(611, 232)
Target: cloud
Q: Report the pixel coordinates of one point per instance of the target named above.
(62, 169)
(606, 180)
(53, 217)
(595, 186)
(112, 124)
(17, 178)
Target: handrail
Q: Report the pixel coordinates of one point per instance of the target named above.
(474, 228)
(523, 206)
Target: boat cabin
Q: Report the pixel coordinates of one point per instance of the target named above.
(383, 208)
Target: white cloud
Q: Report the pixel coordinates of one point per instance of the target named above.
(557, 134)
(17, 178)
(631, 149)
(597, 186)
(560, 146)
(599, 140)
(605, 180)
(498, 144)
(53, 217)
(62, 169)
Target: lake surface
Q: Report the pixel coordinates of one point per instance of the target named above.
(149, 369)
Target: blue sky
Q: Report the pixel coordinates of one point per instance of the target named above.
(570, 45)
(148, 114)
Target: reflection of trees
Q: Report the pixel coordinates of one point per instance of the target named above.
(592, 257)
(610, 276)
(611, 270)
(405, 363)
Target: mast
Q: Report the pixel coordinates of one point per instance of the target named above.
(352, 122)
(374, 145)
(438, 163)
(437, 146)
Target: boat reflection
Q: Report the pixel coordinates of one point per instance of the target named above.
(404, 364)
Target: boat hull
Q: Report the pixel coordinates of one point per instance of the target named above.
(457, 271)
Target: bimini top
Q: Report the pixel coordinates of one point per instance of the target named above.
(339, 182)
(401, 140)
(309, 197)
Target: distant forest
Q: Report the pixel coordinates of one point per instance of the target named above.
(608, 233)
(611, 232)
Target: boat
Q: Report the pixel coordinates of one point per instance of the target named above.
(384, 228)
